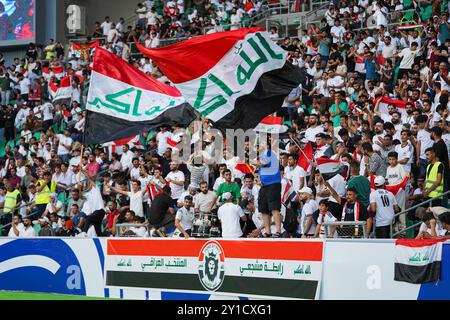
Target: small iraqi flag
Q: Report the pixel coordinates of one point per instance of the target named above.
(418, 260)
(329, 167)
(123, 101)
(58, 71)
(61, 92)
(234, 78)
(271, 124)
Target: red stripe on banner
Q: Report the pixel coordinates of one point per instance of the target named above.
(147, 247)
(114, 67)
(271, 249)
(272, 120)
(398, 103)
(326, 160)
(190, 59)
(415, 243)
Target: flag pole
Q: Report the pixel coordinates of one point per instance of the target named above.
(300, 149)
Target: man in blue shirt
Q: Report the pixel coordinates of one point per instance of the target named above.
(269, 198)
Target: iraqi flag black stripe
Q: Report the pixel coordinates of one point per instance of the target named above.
(238, 78)
(297, 289)
(123, 101)
(267, 98)
(418, 274)
(100, 128)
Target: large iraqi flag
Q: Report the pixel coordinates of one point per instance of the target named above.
(123, 101)
(234, 78)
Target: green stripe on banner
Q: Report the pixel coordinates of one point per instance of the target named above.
(300, 289)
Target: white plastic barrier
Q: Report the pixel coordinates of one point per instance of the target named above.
(351, 269)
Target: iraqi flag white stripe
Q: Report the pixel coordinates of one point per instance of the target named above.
(231, 70)
(118, 99)
(418, 256)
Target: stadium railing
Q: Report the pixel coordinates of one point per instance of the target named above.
(413, 225)
(346, 229)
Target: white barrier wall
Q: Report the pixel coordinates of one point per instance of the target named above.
(356, 269)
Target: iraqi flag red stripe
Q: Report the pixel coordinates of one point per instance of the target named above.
(190, 59)
(281, 250)
(114, 67)
(272, 120)
(415, 243)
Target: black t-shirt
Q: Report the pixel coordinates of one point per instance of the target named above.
(441, 152)
(159, 207)
(349, 212)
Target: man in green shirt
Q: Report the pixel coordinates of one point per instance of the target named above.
(360, 183)
(337, 108)
(227, 186)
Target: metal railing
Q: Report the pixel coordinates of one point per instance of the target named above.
(346, 229)
(122, 228)
(421, 204)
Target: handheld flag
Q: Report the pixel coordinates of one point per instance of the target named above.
(328, 168)
(123, 101)
(234, 78)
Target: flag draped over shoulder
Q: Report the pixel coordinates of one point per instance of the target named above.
(328, 168)
(234, 78)
(123, 101)
(418, 260)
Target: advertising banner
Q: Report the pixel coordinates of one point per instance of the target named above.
(256, 268)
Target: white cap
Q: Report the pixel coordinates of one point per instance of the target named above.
(379, 181)
(306, 190)
(226, 196)
(44, 219)
(53, 195)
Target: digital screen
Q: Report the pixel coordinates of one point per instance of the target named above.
(17, 22)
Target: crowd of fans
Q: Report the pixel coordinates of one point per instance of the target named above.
(49, 178)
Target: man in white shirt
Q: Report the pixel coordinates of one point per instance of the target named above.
(307, 225)
(405, 151)
(408, 55)
(204, 199)
(16, 227)
(185, 217)
(65, 145)
(151, 17)
(106, 26)
(47, 113)
(384, 205)
(230, 215)
(27, 231)
(161, 138)
(126, 158)
(24, 85)
(313, 128)
(423, 142)
(176, 180)
(113, 34)
(294, 173)
(136, 197)
(337, 31)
